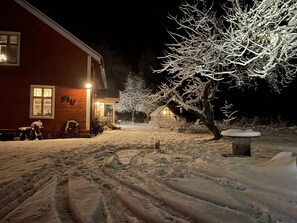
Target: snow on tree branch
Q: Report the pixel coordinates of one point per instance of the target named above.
(228, 113)
(193, 60)
(261, 41)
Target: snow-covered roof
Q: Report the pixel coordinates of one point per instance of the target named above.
(158, 110)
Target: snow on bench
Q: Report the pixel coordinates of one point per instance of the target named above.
(241, 140)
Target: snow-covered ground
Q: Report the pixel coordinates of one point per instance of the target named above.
(119, 176)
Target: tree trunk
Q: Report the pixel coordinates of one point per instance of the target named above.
(208, 115)
(133, 118)
(214, 130)
(208, 119)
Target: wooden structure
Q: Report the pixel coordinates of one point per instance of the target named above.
(43, 72)
(163, 117)
(241, 140)
(162, 112)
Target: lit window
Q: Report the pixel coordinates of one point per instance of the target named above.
(9, 48)
(166, 112)
(42, 101)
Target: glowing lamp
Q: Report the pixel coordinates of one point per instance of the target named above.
(88, 85)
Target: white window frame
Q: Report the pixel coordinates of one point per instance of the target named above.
(18, 34)
(52, 116)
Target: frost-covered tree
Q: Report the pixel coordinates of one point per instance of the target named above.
(261, 41)
(134, 98)
(245, 44)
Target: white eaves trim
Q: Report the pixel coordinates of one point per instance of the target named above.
(64, 33)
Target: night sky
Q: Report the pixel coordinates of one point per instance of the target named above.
(132, 26)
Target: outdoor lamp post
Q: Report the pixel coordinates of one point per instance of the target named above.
(88, 86)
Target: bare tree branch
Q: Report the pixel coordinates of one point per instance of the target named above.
(249, 42)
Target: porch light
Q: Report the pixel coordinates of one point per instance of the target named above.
(88, 85)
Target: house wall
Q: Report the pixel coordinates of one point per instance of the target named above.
(46, 58)
(66, 111)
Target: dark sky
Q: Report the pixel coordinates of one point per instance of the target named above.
(130, 25)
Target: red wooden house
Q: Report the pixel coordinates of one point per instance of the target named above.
(43, 72)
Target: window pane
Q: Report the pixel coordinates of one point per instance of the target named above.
(47, 92)
(9, 48)
(3, 53)
(3, 38)
(37, 92)
(42, 101)
(47, 107)
(13, 54)
(3, 49)
(36, 106)
(13, 39)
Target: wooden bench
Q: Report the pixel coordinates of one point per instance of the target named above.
(241, 140)
(29, 133)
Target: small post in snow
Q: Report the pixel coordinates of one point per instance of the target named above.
(157, 145)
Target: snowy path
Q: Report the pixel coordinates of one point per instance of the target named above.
(119, 177)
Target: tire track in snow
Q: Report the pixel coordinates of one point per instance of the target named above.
(234, 207)
(114, 195)
(175, 208)
(60, 201)
(114, 211)
(14, 194)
